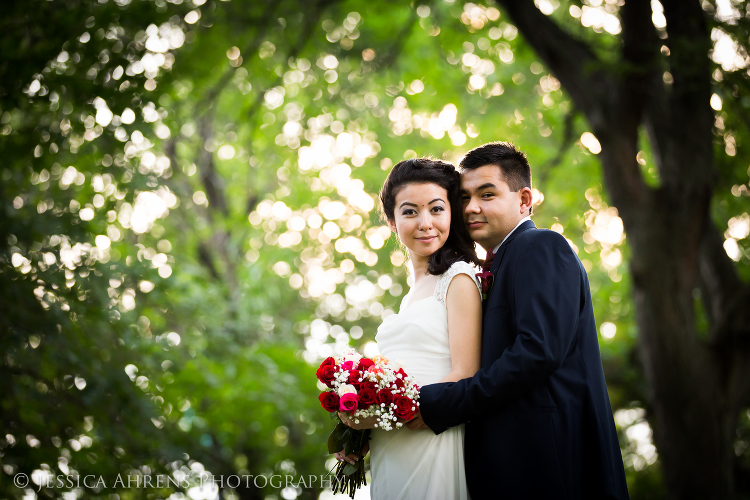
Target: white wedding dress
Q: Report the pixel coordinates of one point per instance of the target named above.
(412, 465)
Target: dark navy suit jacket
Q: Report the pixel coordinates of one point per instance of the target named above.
(538, 419)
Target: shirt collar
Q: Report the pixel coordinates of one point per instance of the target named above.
(494, 250)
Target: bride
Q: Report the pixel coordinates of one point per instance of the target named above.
(437, 333)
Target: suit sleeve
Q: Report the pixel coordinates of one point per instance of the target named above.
(547, 289)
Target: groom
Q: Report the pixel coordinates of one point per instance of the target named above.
(538, 418)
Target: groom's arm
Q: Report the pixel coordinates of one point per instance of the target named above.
(546, 309)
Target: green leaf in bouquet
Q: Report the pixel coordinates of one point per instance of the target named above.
(348, 434)
(340, 435)
(350, 469)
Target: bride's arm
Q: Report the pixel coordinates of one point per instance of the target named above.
(464, 327)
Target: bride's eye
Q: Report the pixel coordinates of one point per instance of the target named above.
(438, 208)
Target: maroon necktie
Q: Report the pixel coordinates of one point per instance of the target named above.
(487, 264)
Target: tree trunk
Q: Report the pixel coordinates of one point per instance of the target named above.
(692, 420)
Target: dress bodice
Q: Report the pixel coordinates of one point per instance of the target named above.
(418, 335)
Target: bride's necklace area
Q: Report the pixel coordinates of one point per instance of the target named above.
(422, 289)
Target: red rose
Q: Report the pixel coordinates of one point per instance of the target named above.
(326, 374)
(365, 363)
(347, 365)
(385, 396)
(486, 278)
(404, 407)
(329, 361)
(348, 402)
(400, 381)
(369, 385)
(367, 396)
(354, 377)
(329, 400)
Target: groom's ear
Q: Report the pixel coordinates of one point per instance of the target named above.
(526, 199)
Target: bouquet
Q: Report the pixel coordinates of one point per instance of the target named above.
(363, 388)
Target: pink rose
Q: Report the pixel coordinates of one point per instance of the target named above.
(348, 402)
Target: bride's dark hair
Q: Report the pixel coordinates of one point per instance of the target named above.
(459, 245)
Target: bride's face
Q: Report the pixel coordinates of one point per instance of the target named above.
(422, 218)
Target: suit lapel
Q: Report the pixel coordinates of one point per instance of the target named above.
(529, 224)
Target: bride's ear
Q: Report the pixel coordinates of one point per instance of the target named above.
(392, 226)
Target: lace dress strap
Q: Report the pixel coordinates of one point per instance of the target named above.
(460, 267)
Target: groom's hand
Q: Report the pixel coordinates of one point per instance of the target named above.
(416, 423)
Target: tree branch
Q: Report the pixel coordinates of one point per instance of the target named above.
(691, 118)
(251, 48)
(213, 183)
(689, 43)
(309, 20)
(392, 53)
(718, 277)
(609, 98)
(725, 299)
(640, 57)
(571, 60)
(569, 138)
(204, 257)
(625, 105)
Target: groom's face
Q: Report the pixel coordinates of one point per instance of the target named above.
(491, 209)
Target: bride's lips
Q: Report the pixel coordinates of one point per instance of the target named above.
(428, 239)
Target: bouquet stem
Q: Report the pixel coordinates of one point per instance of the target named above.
(348, 478)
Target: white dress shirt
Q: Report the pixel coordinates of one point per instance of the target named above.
(494, 251)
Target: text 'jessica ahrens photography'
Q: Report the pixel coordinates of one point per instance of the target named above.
(98, 482)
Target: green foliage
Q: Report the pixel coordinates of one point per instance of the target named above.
(189, 218)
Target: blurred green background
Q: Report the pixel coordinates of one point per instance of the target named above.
(189, 220)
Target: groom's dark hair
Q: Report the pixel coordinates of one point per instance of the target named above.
(511, 161)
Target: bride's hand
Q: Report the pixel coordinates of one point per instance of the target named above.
(358, 423)
(351, 458)
(417, 423)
